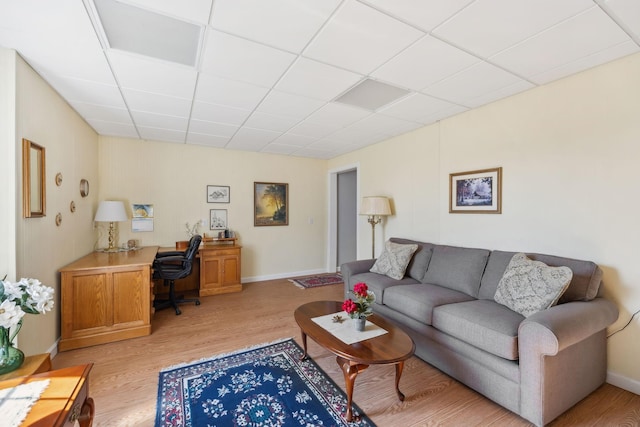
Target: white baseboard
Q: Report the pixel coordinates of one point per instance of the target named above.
(623, 382)
(53, 350)
(283, 275)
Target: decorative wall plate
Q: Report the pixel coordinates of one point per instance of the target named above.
(58, 219)
(72, 206)
(58, 179)
(84, 187)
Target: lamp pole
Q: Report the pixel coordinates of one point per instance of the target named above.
(373, 220)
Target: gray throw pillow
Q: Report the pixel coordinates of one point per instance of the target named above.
(394, 259)
(528, 286)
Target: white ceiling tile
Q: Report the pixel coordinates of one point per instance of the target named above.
(216, 90)
(489, 26)
(113, 129)
(252, 139)
(284, 24)
(417, 108)
(443, 114)
(149, 75)
(193, 10)
(314, 130)
(101, 112)
(380, 124)
(626, 12)
(219, 113)
(259, 120)
(159, 121)
(334, 114)
(208, 140)
(610, 54)
(328, 81)
(502, 92)
(160, 104)
(359, 38)
(239, 59)
(212, 128)
(167, 135)
(583, 35)
(286, 104)
(75, 90)
(294, 140)
(425, 14)
(424, 63)
(275, 148)
(472, 83)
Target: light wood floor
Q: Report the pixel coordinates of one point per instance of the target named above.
(124, 378)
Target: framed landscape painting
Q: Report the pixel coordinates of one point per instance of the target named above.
(270, 204)
(476, 191)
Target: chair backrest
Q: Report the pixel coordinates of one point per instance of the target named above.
(194, 244)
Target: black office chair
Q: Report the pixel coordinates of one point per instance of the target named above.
(171, 266)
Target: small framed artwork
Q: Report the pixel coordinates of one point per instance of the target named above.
(218, 219)
(270, 204)
(218, 194)
(476, 191)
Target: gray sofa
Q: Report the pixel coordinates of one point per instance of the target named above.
(537, 367)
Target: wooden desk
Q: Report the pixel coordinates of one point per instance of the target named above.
(218, 272)
(106, 297)
(32, 365)
(64, 402)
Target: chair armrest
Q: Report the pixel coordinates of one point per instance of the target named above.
(566, 324)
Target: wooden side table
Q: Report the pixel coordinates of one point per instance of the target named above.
(64, 402)
(32, 365)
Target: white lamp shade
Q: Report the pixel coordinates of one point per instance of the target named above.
(111, 211)
(376, 205)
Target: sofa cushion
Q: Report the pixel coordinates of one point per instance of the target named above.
(394, 259)
(378, 283)
(584, 286)
(482, 323)
(420, 260)
(528, 286)
(418, 300)
(457, 268)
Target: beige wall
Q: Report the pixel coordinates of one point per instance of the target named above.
(71, 149)
(174, 177)
(569, 152)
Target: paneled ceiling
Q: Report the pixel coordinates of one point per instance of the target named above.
(265, 74)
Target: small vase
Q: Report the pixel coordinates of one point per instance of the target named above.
(359, 323)
(11, 358)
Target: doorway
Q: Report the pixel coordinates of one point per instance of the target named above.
(343, 216)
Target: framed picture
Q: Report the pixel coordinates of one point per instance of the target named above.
(218, 194)
(476, 191)
(270, 203)
(218, 219)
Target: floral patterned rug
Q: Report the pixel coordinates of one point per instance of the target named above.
(266, 385)
(316, 281)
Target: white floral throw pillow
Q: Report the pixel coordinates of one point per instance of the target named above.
(528, 286)
(394, 259)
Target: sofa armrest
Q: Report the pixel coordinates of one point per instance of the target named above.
(566, 324)
(563, 357)
(349, 269)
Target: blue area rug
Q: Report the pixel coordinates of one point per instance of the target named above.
(263, 386)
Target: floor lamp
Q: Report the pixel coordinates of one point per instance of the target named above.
(111, 211)
(375, 208)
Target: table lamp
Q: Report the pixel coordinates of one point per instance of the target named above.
(111, 212)
(375, 207)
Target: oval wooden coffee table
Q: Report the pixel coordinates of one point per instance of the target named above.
(394, 347)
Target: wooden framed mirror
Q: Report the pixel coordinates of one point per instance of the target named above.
(33, 180)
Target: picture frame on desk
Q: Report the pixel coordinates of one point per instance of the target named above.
(218, 219)
(218, 194)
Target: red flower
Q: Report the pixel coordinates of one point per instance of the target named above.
(349, 306)
(360, 289)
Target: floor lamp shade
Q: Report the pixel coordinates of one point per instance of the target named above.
(111, 211)
(375, 207)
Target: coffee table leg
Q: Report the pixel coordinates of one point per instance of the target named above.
(399, 367)
(304, 345)
(350, 371)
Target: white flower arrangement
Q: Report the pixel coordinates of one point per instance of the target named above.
(194, 229)
(28, 296)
